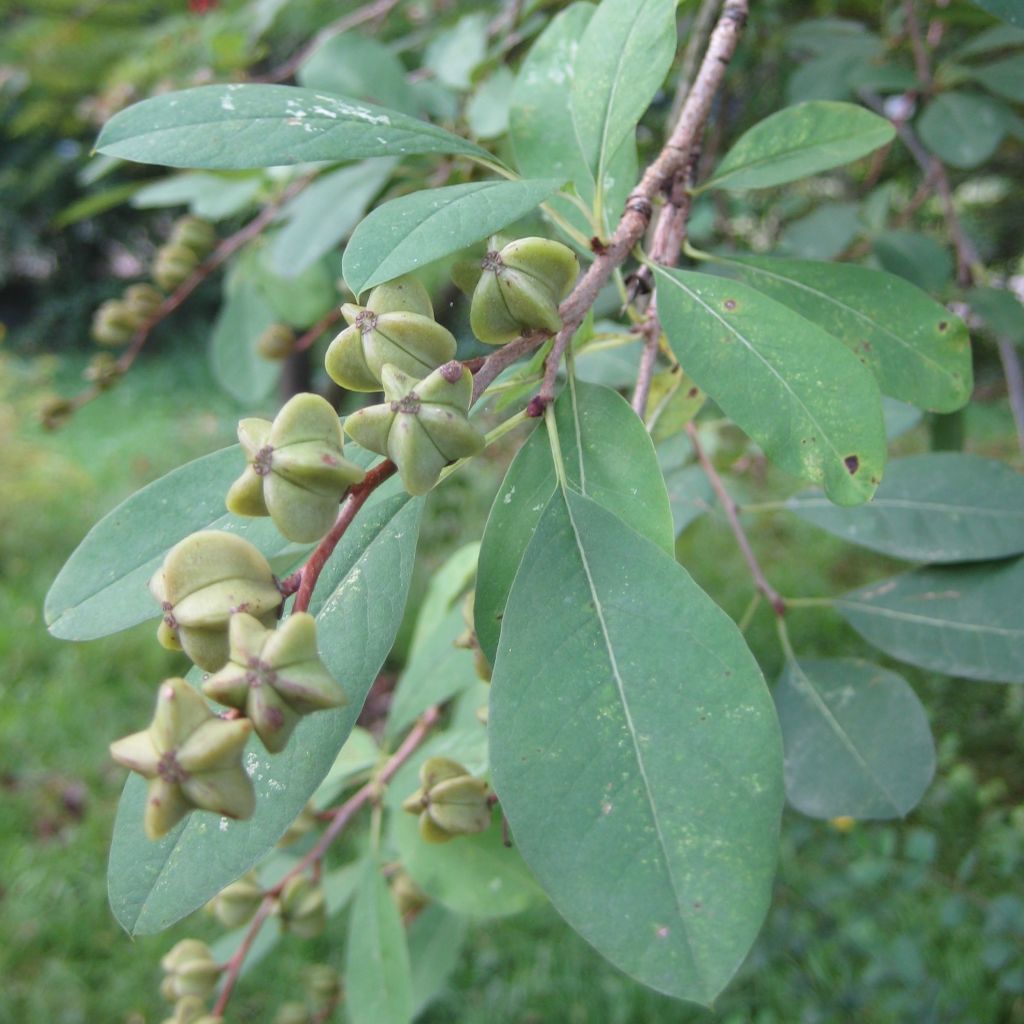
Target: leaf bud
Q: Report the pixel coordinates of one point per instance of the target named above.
(204, 579)
(114, 323)
(274, 676)
(143, 299)
(520, 288)
(422, 426)
(302, 907)
(276, 342)
(198, 234)
(297, 469)
(395, 326)
(450, 802)
(236, 903)
(304, 823)
(192, 759)
(189, 972)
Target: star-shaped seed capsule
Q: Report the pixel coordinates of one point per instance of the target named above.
(192, 758)
(450, 802)
(395, 326)
(275, 676)
(422, 425)
(205, 578)
(297, 470)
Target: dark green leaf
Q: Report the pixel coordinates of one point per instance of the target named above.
(409, 232)
(800, 141)
(242, 126)
(102, 587)
(299, 300)
(436, 938)
(635, 752)
(358, 604)
(965, 621)
(1004, 77)
(236, 363)
(998, 37)
(608, 456)
(917, 258)
(823, 233)
(802, 396)
(963, 129)
(856, 738)
(916, 349)
(321, 216)
(378, 978)
(1008, 10)
(941, 507)
(1001, 310)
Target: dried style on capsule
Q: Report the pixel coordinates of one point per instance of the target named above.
(396, 327)
(422, 425)
(192, 758)
(297, 469)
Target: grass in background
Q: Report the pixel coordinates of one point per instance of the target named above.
(919, 921)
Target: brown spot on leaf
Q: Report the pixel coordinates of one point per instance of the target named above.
(943, 325)
(852, 464)
(729, 304)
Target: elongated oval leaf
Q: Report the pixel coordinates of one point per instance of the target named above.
(940, 507)
(234, 358)
(414, 230)
(102, 587)
(242, 126)
(856, 738)
(918, 351)
(962, 128)
(623, 57)
(800, 141)
(358, 603)
(435, 939)
(807, 400)
(608, 456)
(965, 621)
(378, 978)
(635, 751)
(1009, 10)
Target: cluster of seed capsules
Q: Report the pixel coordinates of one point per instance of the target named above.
(221, 602)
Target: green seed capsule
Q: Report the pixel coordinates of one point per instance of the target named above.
(236, 903)
(114, 323)
(198, 234)
(190, 972)
(520, 288)
(396, 326)
(303, 908)
(422, 425)
(142, 299)
(276, 342)
(450, 802)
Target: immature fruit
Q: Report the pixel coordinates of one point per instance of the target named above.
(198, 234)
(467, 640)
(297, 471)
(143, 299)
(276, 342)
(236, 903)
(114, 323)
(103, 371)
(408, 896)
(172, 264)
(422, 425)
(274, 676)
(192, 758)
(396, 326)
(520, 289)
(190, 1010)
(323, 986)
(450, 802)
(204, 579)
(190, 972)
(303, 908)
(55, 412)
(292, 1013)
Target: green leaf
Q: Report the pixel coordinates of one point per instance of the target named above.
(409, 232)
(807, 400)
(212, 196)
(800, 141)
(1001, 310)
(917, 350)
(624, 53)
(436, 938)
(856, 738)
(356, 65)
(447, 585)
(998, 37)
(487, 110)
(541, 126)
(234, 359)
(940, 507)
(917, 258)
(608, 456)
(636, 754)
(823, 233)
(1009, 10)
(964, 621)
(299, 300)
(94, 203)
(244, 126)
(453, 54)
(963, 129)
(358, 603)
(378, 978)
(1004, 77)
(322, 215)
(102, 587)
(690, 494)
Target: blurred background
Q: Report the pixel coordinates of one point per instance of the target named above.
(919, 921)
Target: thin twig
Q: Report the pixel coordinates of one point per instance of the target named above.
(370, 12)
(700, 29)
(340, 819)
(773, 597)
(309, 338)
(355, 500)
